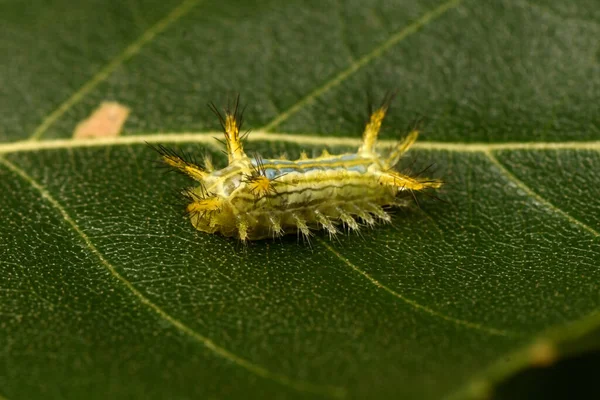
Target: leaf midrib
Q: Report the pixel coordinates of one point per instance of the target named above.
(307, 139)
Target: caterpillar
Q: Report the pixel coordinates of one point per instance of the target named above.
(256, 198)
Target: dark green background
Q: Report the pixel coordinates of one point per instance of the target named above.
(106, 292)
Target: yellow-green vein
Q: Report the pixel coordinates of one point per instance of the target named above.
(364, 60)
(256, 369)
(427, 310)
(307, 139)
(105, 72)
(536, 196)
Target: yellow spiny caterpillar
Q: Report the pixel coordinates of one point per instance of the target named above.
(255, 198)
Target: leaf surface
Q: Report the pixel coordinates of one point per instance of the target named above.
(107, 292)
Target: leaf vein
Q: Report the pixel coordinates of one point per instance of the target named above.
(208, 138)
(362, 61)
(536, 196)
(109, 68)
(256, 369)
(416, 305)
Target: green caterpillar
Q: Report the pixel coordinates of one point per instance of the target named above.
(255, 198)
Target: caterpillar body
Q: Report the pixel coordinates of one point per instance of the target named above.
(255, 198)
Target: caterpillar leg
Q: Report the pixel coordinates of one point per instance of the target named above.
(401, 148)
(275, 225)
(404, 182)
(203, 212)
(326, 223)
(371, 133)
(347, 219)
(180, 162)
(204, 206)
(242, 225)
(231, 124)
(365, 217)
(208, 165)
(301, 226)
(373, 127)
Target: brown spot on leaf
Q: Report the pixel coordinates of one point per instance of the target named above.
(106, 121)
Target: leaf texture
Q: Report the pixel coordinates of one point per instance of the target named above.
(107, 292)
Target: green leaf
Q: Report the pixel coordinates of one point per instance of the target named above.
(107, 292)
